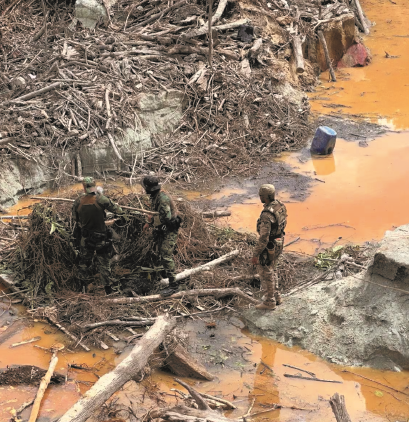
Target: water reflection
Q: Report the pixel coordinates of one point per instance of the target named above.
(323, 165)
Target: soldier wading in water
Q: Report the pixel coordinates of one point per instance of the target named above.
(91, 233)
(166, 226)
(270, 227)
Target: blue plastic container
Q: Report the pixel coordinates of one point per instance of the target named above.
(324, 141)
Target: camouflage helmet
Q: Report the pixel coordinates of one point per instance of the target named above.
(268, 190)
(89, 184)
(151, 184)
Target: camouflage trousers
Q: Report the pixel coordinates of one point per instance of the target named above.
(166, 246)
(86, 256)
(268, 273)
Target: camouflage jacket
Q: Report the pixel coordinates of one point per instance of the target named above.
(89, 211)
(264, 224)
(164, 205)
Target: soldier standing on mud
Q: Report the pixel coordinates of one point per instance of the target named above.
(166, 226)
(270, 227)
(94, 238)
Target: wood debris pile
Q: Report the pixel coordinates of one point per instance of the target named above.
(64, 87)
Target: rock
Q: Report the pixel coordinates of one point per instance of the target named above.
(89, 12)
(19, 176)
(363, 144)
(351, 321)
(392, 258)
(356, 56)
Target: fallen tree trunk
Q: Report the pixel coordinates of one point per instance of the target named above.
(218, 293)
(337, 403)
(216, 214)
(299, 58)
(327, 57)
(108, 384)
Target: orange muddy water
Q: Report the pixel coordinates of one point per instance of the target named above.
(364, 194)
(360, 195)
(379, 91)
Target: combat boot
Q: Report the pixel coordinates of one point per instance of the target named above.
(267, 305)
(171, 289)
(278, 298)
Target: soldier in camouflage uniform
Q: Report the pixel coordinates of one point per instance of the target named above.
(89, 214)
(270, 227)
(166, 226)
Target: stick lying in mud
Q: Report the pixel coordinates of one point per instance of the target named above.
(70, 335)
(311, 379)
(44, 384)
(302, 370)
(327, 57)
(376, 382)
(338, 406)
(26, 342)
(108, 384)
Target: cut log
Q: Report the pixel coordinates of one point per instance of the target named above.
(218, 293)
(216, 214)
(299, 58)
(182, 364)
(337, 403)
(187, 273)
(361, 17)
(108, 384)
(327, 57)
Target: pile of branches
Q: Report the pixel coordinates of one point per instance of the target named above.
(63, 87)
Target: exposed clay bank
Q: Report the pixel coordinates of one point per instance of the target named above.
(379, 91)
